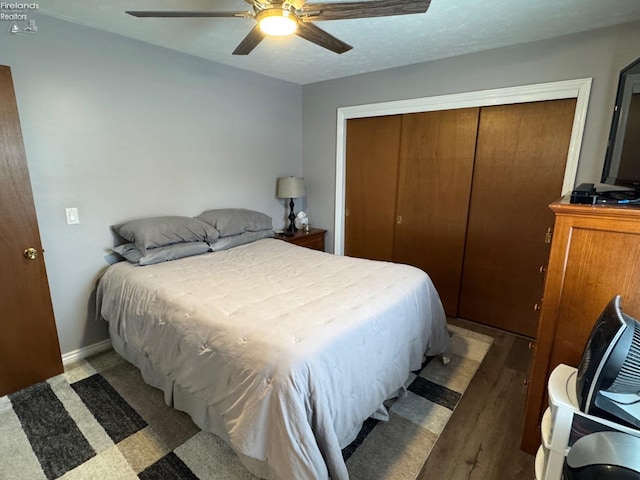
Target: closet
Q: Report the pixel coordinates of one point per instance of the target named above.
(462, 194)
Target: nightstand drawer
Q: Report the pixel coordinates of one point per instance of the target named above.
(314, 239)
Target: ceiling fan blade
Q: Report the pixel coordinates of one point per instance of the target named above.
(251, 41)
(189, 14)
(316, 35)
(375, 8)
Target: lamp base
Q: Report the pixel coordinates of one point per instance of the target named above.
(292, 218)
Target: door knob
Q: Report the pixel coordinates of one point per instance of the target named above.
(31, 253)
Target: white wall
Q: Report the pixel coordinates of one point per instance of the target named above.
(599, 54)
(121, 129)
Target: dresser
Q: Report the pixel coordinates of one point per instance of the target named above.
(314, 239)
(595, 255)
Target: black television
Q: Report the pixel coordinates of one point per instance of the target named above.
(622, 160)
(608, 379)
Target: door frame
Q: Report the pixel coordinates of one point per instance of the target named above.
(578, 89)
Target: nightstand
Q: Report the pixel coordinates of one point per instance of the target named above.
(314, 239)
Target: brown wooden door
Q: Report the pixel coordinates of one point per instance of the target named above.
(29, 349)
(434, 185)
(519, 168)
(371, 181)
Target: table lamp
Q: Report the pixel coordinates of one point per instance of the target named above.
(290, 187)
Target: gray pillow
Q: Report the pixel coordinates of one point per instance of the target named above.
(161, 254)
(224, 243)
(233, 221)
(128, 251)
(155, 232)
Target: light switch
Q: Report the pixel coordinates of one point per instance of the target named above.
(72, 216)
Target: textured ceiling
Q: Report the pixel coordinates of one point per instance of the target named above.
(448, 28)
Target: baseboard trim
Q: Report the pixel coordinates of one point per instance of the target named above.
(85, 352)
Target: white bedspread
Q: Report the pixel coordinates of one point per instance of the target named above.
(293, 348)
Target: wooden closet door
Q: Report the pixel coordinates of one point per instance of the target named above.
(436, 165)
(371, 183)
(519, 169)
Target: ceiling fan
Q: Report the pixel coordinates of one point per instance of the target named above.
(296, 16)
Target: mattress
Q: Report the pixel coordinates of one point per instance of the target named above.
(280, 350)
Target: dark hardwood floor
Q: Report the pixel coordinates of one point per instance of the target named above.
(482, 439)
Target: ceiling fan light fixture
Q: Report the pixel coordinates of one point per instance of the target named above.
(277, 21)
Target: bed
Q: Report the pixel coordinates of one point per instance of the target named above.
(280, 350)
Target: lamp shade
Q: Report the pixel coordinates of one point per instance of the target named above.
(290, 187)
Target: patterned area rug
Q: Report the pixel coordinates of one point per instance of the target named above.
(99, 420)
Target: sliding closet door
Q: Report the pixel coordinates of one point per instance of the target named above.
(371, 182)
(519, 169)
(434, 184)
